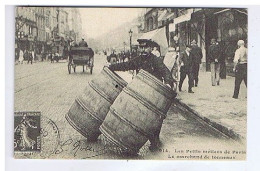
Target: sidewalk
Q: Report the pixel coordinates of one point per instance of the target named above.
(215, 105)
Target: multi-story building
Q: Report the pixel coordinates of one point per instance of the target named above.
(42, 28)
(41, 37)
(26, 28)
(75, 24)
(63, 23)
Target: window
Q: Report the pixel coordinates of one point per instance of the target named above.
(151, 23)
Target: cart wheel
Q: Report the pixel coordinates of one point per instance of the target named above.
(91, 70)
(69, 68)
(83, 69)
(74, 68)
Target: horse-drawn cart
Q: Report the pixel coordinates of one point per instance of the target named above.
(82, 56)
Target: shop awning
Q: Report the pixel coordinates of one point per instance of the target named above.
(228, 9)
(224, 10)
(149, 35)
(158, 36)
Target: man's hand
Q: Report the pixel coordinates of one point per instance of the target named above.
(107, 64)
(182, 64)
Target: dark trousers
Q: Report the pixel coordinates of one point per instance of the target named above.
(183, 73)
(30, 60)
(241, 74)
(195, 72)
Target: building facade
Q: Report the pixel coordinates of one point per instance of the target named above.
(75, 24)
(26, 28)
(46, 29)
(227, 26)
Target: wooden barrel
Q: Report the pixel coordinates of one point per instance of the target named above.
(90, 109)
(137, 112)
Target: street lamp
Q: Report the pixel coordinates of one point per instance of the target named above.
(130, 35)
(124, 45)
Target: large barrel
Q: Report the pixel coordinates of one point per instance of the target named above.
(90, 109)
(138, 112)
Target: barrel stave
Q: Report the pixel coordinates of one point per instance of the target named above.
(132, 141)
(82, 121)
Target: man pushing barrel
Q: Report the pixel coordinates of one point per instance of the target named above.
(155, 66)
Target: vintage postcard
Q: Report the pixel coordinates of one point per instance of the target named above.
(161, 83)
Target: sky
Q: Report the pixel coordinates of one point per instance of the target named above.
(98, 21)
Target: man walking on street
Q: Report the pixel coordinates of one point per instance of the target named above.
(186, 63)
(30, 57)
(214, 54)
(240, 67)
(196, 55)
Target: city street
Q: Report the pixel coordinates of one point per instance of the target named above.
(48, 88)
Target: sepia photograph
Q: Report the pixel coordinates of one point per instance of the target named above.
(130, 83)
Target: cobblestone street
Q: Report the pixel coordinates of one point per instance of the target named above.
(48, 88)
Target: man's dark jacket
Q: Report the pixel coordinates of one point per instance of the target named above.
(187, 61)
(149, 63)
(82, 43)
(214, 52)
(196, 54)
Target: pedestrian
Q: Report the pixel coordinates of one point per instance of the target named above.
(214, 55)
(21, 58)
(127, 56)
(155, 66)
(113, 58)
(172, 63)
(30, 58)
(51, 57)
(196, 55)
(42, 55)
(33, 55)
(186, 63)
(123, 55)
(240, 67)
(26, 55)
(156, 52)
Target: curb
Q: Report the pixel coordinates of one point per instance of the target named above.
(227, 131)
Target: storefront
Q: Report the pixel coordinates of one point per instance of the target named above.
(226, 25)
(232, 26)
